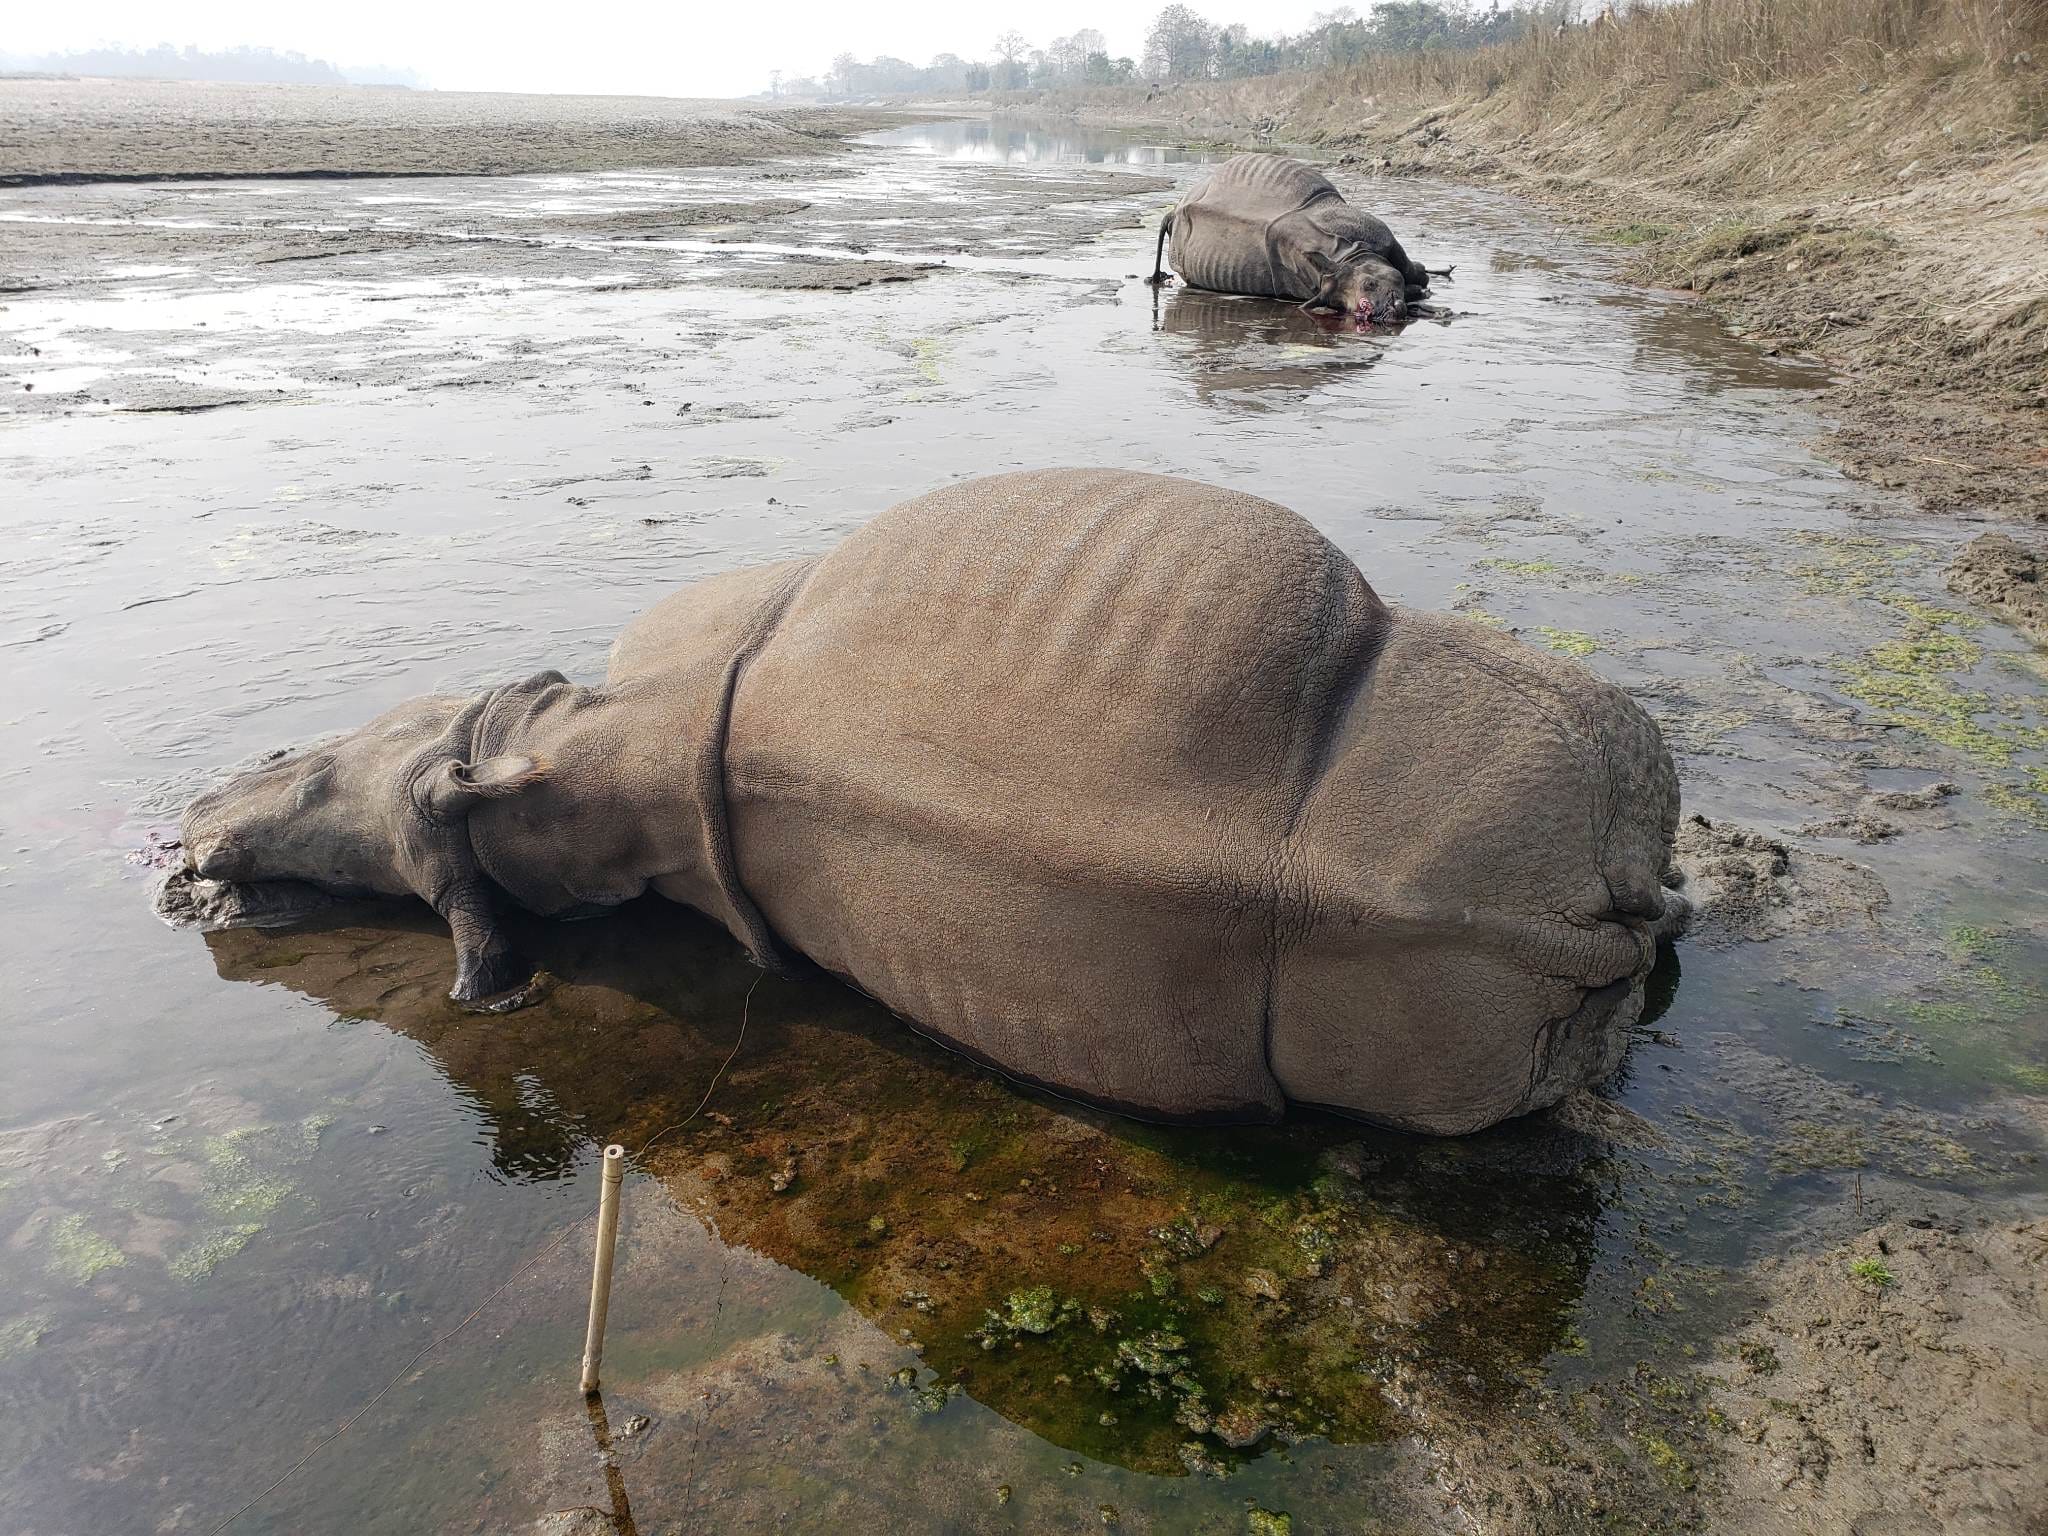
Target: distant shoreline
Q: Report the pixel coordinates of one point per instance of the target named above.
(70, 131)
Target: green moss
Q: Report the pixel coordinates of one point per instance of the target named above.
(1671, 1466)
(1872, 1272)
(78, 1254)
(1570, 642)
(1032, 1311)
(1268, 1522)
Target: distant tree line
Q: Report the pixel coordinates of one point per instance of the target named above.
(164, 62)
(1181, 44)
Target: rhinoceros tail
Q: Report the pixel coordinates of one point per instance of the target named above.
(1159, 251)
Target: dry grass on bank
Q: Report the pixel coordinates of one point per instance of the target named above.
(1712, 44)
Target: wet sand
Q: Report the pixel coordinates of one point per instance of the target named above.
(295, 450)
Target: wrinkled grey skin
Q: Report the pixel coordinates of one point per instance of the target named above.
(1271, 226)
(1129, 786)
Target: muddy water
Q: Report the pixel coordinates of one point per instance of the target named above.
(297, 451)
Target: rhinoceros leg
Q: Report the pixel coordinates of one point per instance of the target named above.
(1159, 277)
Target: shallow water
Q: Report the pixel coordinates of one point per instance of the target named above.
(306, 449)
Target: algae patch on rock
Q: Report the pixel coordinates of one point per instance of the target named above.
(77, 1253)
(1569, 642)
(1930, 678)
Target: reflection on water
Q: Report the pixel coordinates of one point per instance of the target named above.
(1682, 334)
(1238, 350)
(1006, 140)
(1119, 1289)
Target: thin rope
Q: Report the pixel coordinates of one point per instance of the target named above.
(693, 1114)
(531, 1264)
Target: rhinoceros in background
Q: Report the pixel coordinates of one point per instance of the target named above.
(1271, 226)
(1127, 785)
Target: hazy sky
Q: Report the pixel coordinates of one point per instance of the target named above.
(681, 49)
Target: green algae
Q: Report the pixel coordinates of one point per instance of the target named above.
(2028, 804)
(1988, 992)
(1922, 679)
(1669, 1464)
(1569, 642)
(926, 357)
(239, 1189)
(1268, 1522)
(1033, 1311)
(1523, 567)
(196, 1262)
(20, 1335)
(79, 1254)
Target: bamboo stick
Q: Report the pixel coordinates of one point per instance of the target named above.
(601, 1268)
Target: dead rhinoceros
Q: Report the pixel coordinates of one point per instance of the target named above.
(1127, 785)
(1271, 226)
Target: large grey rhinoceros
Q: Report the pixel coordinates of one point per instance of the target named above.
(1274, 227)
(1127, 785)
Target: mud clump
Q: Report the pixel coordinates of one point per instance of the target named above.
(1867, 823)
(2007, 577)
(1915, 799)
(1899, 1382)
(1857, 826)
(1744, 885)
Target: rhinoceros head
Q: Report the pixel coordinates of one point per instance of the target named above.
(382, 811)
(1359, 286)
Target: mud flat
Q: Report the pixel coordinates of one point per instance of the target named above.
(156, 130)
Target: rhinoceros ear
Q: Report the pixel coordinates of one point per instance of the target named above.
(455, 789)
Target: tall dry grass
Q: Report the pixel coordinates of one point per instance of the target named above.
(1705, 44)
